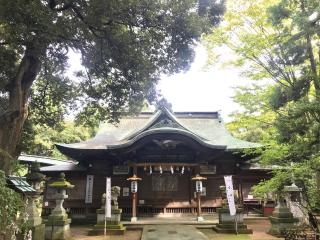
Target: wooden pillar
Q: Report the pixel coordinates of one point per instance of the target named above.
(134, 189)
(198, 205)
(190, 189)
(198, 181)
(241, 191)
(134, 207)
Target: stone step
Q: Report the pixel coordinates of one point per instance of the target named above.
(233, 230)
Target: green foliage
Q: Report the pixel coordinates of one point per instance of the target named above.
(40, 138)
(255, 122)
(124, 47)
(274, 185)
(277, 40)
(10, 205)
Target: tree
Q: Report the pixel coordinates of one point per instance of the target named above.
(38, 139)
(124, 47)
(278, 41)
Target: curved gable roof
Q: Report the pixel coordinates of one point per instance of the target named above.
(206, 127)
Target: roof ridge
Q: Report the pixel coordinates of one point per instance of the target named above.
(153, 120)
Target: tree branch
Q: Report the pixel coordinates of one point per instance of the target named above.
(53, 5)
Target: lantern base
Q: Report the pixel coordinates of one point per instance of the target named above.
(281, 220)
(38, 232)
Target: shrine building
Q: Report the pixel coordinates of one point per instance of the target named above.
(165, 150)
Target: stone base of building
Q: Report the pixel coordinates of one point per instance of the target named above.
(38, 232)
(227, 222)
(58, 228)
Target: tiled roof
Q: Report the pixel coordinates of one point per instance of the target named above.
(205, 127)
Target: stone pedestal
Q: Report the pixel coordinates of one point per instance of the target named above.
(227, 222)
(281, 220)
(58, 223)
(34, 177)
(34, 220)
(58, 228)
(113, 225)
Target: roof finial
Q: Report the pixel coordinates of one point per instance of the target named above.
(163, 104)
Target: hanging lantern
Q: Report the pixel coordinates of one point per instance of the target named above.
(160, 168)
(172, 171)
(134, 186)
(150, 170)
(199, 186)
(182, 170)
(198, 180)
(134, 183)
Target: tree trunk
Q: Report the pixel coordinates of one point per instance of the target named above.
(312, 59)
(12, 120)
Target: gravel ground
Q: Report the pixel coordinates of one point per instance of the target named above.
(259, 227)
(80, 233)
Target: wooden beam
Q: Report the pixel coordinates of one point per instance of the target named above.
(163, 164)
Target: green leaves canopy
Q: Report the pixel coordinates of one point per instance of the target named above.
(124, 45)
(276, 44)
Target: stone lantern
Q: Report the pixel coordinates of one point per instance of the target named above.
(281, 219)
(34, 177)
(198, 180)
(293, 193)
(58, 224)
(134, 189)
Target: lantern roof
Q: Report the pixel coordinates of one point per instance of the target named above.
(134, 178)
(198, 178)
(61, 182)
(292, 188)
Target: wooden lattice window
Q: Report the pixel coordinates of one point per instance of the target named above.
(164, 183)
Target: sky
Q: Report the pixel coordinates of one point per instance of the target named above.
(201, 88)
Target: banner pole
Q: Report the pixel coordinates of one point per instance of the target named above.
(236, 222)
(105, 212)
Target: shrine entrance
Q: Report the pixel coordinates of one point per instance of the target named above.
(166, 190)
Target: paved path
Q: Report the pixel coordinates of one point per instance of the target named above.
(172, 232)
